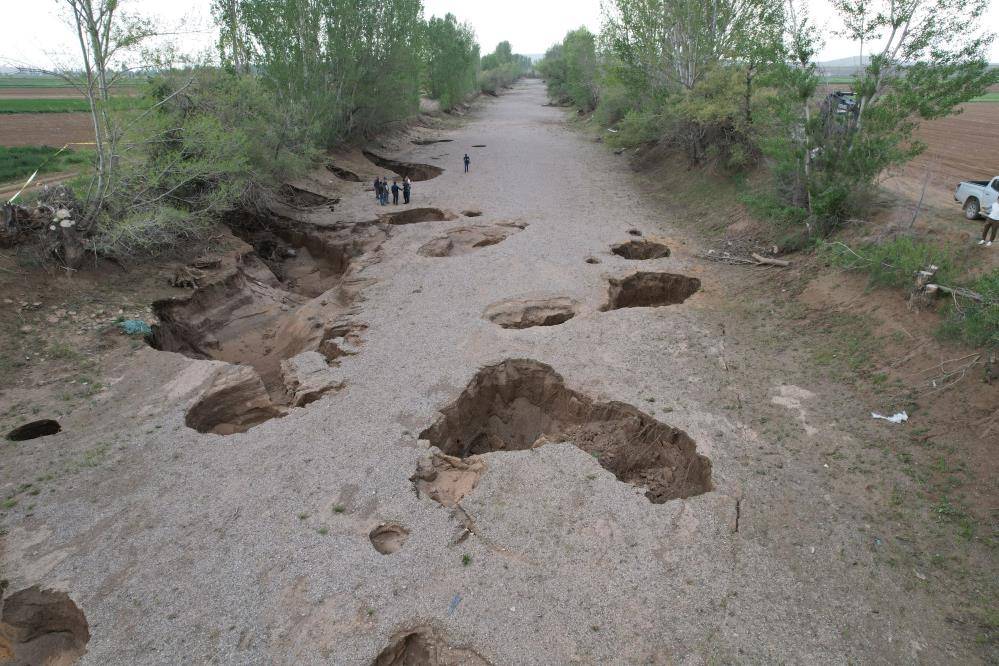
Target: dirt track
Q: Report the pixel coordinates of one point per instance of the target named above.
(268, 546)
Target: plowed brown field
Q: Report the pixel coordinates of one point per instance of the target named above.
(961, 147)
(45, 129)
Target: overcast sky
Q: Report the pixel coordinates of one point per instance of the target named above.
(35, 34)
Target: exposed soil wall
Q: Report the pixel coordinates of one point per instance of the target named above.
(520, 403)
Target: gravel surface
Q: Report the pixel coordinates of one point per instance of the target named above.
(254, 548)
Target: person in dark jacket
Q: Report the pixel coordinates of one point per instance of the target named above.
(395, 192)
(385, 191)
(468, 160)
(378, 189)
(407, 187)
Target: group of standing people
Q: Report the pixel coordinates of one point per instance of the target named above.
(383, 189)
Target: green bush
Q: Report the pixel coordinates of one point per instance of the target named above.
(891, 263)
(638, 127)
(217, 142)
(613, 105)
(976, 324)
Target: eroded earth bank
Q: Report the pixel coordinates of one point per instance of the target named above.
(498, 427)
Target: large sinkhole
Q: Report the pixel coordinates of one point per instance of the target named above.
(417, 215)
(649, 290)
(344, 174)
(531, 312)
(34, 430)
(640, 250)
(277, 311)
(426, 646)
(521, 403)
(40, 626)
(413, 170)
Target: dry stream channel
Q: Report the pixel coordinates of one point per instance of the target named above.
(451, 437)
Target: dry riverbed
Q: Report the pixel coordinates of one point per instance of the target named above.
(517, 422)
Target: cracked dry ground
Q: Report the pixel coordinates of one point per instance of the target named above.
(604, 493)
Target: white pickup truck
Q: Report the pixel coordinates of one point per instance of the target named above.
(976, 196)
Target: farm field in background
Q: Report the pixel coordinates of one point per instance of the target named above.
(59, 104)
(19, 162)
(39, 115)
(42, 82)
(45, 129)
(961, 147)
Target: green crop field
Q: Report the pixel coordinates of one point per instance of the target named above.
(21, 81)
(988, 97)
(19, 162)
(59, 105)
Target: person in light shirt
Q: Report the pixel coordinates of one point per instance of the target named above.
(991, 224)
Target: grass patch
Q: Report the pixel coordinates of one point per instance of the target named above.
(988, 97)
(20, 161)
(974, 323)
(849, 345)
(895, 263)
(892, 263)
(59, 105)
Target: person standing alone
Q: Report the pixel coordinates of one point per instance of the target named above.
(991, 223)
(395, 193)
(468, 161)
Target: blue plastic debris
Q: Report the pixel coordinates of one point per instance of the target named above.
(135, 327)
(453, 606)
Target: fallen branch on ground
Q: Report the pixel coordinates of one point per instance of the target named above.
(756, 260)
(760, 259)
(955, 291)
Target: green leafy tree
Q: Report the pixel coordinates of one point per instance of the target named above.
(451, 58)
(570, 70)
(501, 68)
(353, 66)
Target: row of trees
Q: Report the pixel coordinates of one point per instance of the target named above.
(352, 66)
(736, 81)
(294, 77)
(501, 68)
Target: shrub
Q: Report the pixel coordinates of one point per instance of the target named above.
(637, 128)
(214, 143)
(976, 323)
(892, 263)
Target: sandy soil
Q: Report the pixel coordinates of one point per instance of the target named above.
(45, 129)
(269, 546)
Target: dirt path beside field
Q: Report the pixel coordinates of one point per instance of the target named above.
(638, 460)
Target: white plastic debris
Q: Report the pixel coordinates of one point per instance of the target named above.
(901, 417)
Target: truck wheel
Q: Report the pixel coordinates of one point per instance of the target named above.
(972, 208)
